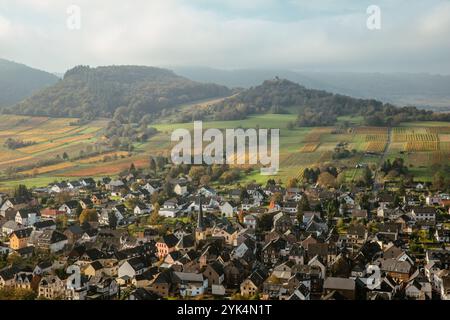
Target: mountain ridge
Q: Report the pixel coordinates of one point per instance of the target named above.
(19, 81)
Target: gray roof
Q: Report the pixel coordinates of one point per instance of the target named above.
(339, 283)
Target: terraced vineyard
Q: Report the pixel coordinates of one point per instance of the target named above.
(420, 145)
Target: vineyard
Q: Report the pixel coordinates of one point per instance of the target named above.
(316, 134)
(309, 147)
(370, 130)
(376, 146)
(422, 146)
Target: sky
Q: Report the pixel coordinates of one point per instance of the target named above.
(319, 35)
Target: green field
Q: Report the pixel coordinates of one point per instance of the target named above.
(300, 148)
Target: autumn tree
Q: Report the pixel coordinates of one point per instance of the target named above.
(155, 214)
(88, 215)
(152, 164)
(292, 183)
(205, 180)
(326, 179)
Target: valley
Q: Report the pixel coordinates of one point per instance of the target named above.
(64, 150)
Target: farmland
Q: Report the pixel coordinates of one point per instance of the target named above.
(422, 145)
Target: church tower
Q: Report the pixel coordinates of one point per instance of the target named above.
(200, 229)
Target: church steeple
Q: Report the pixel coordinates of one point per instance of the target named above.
(200, 233)
(200, 224)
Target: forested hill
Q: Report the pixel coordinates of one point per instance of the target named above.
(99, 92)
(314, 107)
(18, 82)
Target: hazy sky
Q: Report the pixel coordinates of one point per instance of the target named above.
(322, 35)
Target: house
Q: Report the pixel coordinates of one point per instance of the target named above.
(442, 235)
(88, 182)
(180, 189)
(69, 207)
(73, 233)
(42, 268)
(27, 217)
(9, 227)
(44, 225)
(166, 245)
(253, 284)
(7, 277)
(250, 221)
(151, 188)
(141, 209)
(345, 287)
(207, 192)
(357, 234)
(161, 284)
(49, 213)
(227, 209)
(19, 238)
(170, 208)
(359, 214)
(59, 187)
(102, 288)
(190, 284)
(24, 280)
(132, 267)
(115, 185)
(52, 287)
(94, 269)
(308, 215)
(424, 213)
(74, 185)
(52, 240)
(214, 272)
(397, 270)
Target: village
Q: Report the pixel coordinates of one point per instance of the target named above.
(142, 236)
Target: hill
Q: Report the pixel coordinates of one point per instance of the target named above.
(314, 107)
(17, 82)
(99, 92)
(422, 90)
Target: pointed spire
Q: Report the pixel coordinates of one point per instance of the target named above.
(200, 225)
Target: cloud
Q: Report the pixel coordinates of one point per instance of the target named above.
(325, 35)
(5, 26)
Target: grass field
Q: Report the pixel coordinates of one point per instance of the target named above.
(421, 144)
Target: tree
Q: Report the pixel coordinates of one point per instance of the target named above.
(61, 221)
(277, 198)
(65, 156)
(88, 215)
(196, 172)
(153, 164)
(113, 221)
(326, 179)
(79, 209)
(303, 204)
(132, 169)
(204, 180)
(439, 182)
(292, 183)
(155, 214)
(21, 193)
(367, 176)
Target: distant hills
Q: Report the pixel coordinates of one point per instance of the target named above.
(421, 90)
(18, 82)
(314, 107)
(99, 92)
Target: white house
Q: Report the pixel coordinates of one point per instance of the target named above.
(141, 209)
(250, 221)
(26, 217)
(180, 189)
(227, 209)
(191, 284)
